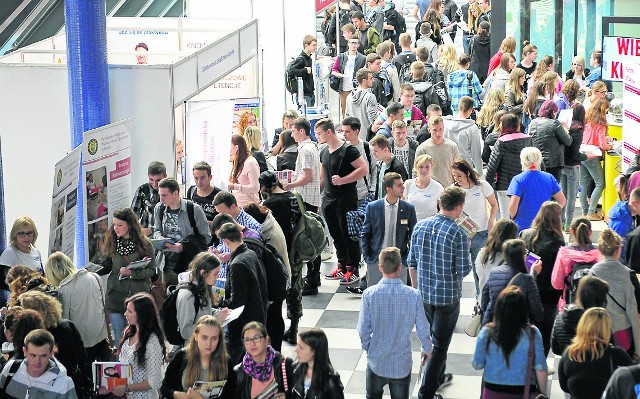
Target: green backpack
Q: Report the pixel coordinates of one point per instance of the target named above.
(309, 238)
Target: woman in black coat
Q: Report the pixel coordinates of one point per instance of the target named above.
(313, 363)
(481, 51)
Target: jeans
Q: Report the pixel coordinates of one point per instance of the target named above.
(443, 321)
(477, 242)
(591, 168)
(309, 100)
(503, 203)
(118, 323)
(569, 183)
(398, 387)
(275, 324)
(466, 39)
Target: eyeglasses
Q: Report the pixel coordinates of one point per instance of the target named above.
(597, 91)
(23, 234)
(255, 339)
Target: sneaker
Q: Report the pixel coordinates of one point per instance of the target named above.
(349, 278)
(335, 275)
(551, 370)
(437, 396)
(355, 290)
(447, 379)
(326, 255)
(309, 289)
(594, 217)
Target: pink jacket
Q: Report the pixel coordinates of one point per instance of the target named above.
(567, 257)
(246, 190)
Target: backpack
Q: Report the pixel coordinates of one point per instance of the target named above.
(386, 82)
(404, 74)
(275, 269)
(401, 24)
(572, 279)
(425, 95)
(309, 238)
(435, 76)
(290, 82)
(170, 312)
(190, 214)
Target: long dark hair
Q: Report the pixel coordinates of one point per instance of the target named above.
(317, 340)
(513, 252)
(241, 156)
(503, 230)
(203, 264)
(463, 166)
(579, 116)
(510, 317)
(135, 233)
(147, 317)
(548, 218)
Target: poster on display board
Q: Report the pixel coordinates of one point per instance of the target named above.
(246, 112)
(631, 114)
(106, 176)
(617, 52)
(208, 139)
(62, 235)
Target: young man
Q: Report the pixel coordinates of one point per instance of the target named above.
(39, 374)
(485, 14)
(303, 67)
(374, 63)
(458, 83)
(246, 286)
(388, 222)
(306, 182)
(412, 115)
(386, 336)
(402, 146)
(463, 131)
(146, 196)
(345, 68)
(622, 214)
(351, 130)
(433, 110)
(421, 86)
(395, 112)
(441, 149)
(203, 192)
(339, 19)
(404, 60)
(387, 163)
(439, 255)
(388, 71)
(361, 103)
(368, 35)
(342, 166)
(226, 202)
(428, 43)
(189, 232)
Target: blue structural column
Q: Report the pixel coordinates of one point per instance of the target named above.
(86, 28)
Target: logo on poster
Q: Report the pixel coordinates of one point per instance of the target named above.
(92, 147)
(59, 177)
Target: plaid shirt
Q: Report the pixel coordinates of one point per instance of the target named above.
(458, 86)
(440, 252)
(247, 220)
(144, 200)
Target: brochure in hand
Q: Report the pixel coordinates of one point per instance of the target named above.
(158, 243)
(209, 390)
(107, 375)
(467, 224)
(269, 392)
(139, 264)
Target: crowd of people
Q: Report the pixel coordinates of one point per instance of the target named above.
(442, 165)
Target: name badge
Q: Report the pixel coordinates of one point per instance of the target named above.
(404, 221)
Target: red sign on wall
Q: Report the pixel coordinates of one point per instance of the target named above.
(321, 5)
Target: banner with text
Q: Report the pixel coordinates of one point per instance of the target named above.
(616, 53)
(106, 172)
(631, 115)
(62, 236)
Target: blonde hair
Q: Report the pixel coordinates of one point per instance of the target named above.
(58, 267)
(253, 135)
(592, 336)
(508, 45)
(23, 222)
(448, 60)
(514, 83)
(49, 308)
(609, 242)
(420, 160)
(473, 21)
(494, 99)
(243, 121)
(417, 68)
(217, 369)
(390, 260)
(598, 85)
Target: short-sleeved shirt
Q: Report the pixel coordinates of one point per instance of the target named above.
(425, 200)
(334, 163)
(533, 187)
(13, 256)
(206, 202)
(402, 155)
(308, 158)
(475, 203)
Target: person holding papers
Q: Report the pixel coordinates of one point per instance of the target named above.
(204, 355)
(125, 244)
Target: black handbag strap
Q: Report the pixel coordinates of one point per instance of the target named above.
(527, 379)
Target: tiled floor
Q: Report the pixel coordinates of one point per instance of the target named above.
(336, 312)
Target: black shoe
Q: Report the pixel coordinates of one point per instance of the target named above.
(309, 289)
(355, 290)
(316, 282)
(291, 335)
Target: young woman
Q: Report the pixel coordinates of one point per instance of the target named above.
(504, 163)
(243, 181)
(203, 272)
(493, 132)
(570, 178)
(545, 65)
(473, 21)
(492, 102)
(458, 83)
(204, 355)
(433, 18)
(537, 96)
(514, 92)
(508, 45)
(545, 239)
(500, 76)
(512, 272)
(481, 51)
(578, 72)
(124, 244)
(314, 376)
(345, 67)
(286, 158)
(80, 293)
(550, 137)
(287, 124)
(587, 364)
(566, 98)
(581, 251)
(253, 136)
(447, 60)
(422, 191)
(466, 178)
(503, 346)
(592, 292)
(621, 303)
(595, 134)
(490, 255)
(528, 62)
(142, 346)
(261, 365)
(247, 118)
(598, 91)
(21, 249)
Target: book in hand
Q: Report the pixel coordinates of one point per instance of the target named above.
(530, 260)
(269, 392)
(93, 267)
(108, 375)
(158, 243)
(139, 264)
(209, 390)
(467, 224)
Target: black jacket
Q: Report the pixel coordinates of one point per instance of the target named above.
(504, 162)
(550, 138)
(378, 90)
(262, 160)
(564, 328)
(395, 166)
(572, 154)
(298, 69)
(489, 143)
(71, 352)
(286, 160)
(331, 389)
(633, 250)
(570, 73)
(243, 381)
(172, 380)
(480, 48)
(546, 247)
(413, 145)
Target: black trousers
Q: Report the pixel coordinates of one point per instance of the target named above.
(347, 250)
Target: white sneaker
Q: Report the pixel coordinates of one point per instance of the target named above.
(326, 255)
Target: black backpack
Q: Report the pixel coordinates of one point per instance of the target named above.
(275, 269)
(425, 95)
(404, 74)
(190, 214)
(572, 279)
(290, 82)
(435, 76)
(401, 24)
(170, 312)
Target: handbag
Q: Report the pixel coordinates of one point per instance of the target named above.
(473, 327)
(334, 83)
(527, 380)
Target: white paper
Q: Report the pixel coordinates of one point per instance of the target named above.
(234, 314)
(463, 26)
(590, 150)
(566, 116)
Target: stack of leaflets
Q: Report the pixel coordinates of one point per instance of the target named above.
(137, 265)
(209, 390)
(108, 375)
(467, 224)
(285, 176)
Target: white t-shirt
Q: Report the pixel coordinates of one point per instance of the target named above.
(425, 200)
(475, 206)
(349, 69)
(13, 256)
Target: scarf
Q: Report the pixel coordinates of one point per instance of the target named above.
(124, 247)
(259, 371)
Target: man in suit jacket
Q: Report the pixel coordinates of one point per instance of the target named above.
(386, 163)
(388, 222)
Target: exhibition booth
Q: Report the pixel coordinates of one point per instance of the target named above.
(183, 87)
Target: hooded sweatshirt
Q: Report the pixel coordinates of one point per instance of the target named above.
(362, 104)
(466, 134)
(53, 383)
(567, 257)
(480, 55)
